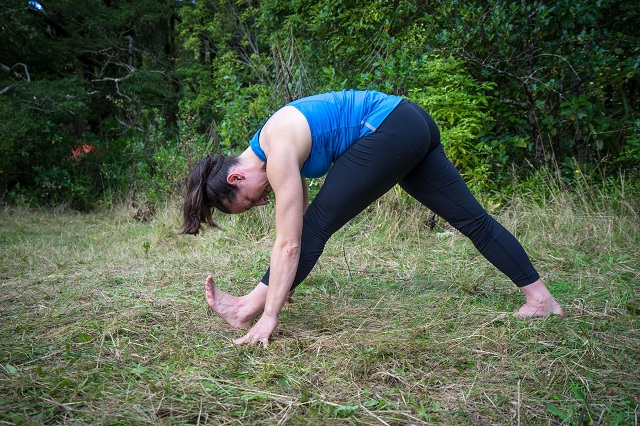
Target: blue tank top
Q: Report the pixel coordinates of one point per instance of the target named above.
(336, 120)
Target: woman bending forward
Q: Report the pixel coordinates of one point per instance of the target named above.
(365, 142)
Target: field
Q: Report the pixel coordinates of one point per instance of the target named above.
(103, 321)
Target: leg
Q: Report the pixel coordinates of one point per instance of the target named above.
(438, 185)
(367, 170)
(335, 205)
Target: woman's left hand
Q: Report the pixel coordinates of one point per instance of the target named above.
(260, 332)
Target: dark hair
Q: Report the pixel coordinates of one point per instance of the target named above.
(207, 188)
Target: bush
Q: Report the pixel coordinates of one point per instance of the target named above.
(458, 104)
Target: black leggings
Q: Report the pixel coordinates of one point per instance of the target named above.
(406, 150)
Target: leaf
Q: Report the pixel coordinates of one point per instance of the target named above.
(138, 370)
(558, 412)
(346, 410)
(84, 338)
(521, 142)
(13, 371)
(371, 403)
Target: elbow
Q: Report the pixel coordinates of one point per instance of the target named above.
(293, 250)
(290, 249)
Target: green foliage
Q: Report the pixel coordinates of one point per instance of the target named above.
(459, 105)
(564, 73)
(235, 110)
(154, 85)
(42, 124)
(631, 146)
(244, 115)
(88, 74)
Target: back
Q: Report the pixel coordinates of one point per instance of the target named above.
(337, 120)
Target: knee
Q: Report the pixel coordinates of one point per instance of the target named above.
(315, 233)
(476, 227)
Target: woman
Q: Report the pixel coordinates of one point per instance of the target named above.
(365, 142)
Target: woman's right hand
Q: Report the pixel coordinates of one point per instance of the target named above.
(260, 332)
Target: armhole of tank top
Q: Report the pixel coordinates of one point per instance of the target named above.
(261, 154)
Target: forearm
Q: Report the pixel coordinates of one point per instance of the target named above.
(284, 264)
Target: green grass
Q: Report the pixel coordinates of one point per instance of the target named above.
(103, 321)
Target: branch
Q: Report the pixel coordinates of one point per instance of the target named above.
(514, 102)
(26, 70)
(563, 59)
(524, 81)
(288, 75)
(117, 81)
(6, 69)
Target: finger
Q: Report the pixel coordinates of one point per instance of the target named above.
(255, 340)
(241, 340)
(265, 343)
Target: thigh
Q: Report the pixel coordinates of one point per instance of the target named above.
(437, 184)
(370, 167)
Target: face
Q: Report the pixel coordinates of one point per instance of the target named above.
(253, 190)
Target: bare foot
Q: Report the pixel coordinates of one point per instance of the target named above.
(540, 302)
(539, 309)
(230, 308)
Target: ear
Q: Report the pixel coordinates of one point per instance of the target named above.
(234, 178)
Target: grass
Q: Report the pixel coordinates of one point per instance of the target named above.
(104, 321)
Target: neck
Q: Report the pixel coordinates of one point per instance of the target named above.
(249, 159)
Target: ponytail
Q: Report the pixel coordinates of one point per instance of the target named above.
(207, 188)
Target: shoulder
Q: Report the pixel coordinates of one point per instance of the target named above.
(286, 131)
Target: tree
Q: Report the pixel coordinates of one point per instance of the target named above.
(95, 70)
(566, 72)
(152, 85)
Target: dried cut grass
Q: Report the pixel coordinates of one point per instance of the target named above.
(104, 321)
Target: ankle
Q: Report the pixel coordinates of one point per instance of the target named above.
(536, 292)
(249, 308)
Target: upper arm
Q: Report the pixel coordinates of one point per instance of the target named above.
(286, 140)
(283, 172)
